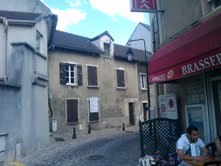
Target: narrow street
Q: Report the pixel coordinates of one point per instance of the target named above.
(100, 148)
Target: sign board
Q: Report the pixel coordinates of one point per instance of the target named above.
(143, 6)
(168, 106)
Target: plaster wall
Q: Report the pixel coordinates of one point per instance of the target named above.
(111, 100)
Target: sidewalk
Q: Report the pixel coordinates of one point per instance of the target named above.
(65, 140)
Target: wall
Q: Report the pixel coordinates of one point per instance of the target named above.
(113, 102)
(35, 6)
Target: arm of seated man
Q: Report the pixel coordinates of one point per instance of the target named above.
(182, 156)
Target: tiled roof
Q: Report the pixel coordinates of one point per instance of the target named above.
(74, 42)
(82, 44)
(120, 52)
(19, 15)
(99, 36)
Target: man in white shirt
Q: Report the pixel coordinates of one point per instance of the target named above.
(191, 147)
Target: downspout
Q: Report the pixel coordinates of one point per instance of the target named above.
(5, 23)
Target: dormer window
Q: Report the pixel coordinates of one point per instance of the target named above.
(39, 41)
(107, 50)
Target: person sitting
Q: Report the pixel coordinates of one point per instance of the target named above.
(218, 145)
(191, 147)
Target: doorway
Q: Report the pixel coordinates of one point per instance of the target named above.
(131, 114)
(216, 86)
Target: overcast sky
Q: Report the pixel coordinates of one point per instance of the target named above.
(90, 18)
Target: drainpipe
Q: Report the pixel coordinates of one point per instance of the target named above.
(5, 22)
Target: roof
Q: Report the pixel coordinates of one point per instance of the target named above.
(82, 44)
(103, 34)
(74, 42)
(120, 52)
(19, 15)
(145, 25)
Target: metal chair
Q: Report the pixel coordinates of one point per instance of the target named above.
(214, 163)
(211, 148)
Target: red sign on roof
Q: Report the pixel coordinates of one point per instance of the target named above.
(143, 5)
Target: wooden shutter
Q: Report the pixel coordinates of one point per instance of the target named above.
(92, 75)
(62, 73)
(120, 78)
(79, 75)
(72, 110)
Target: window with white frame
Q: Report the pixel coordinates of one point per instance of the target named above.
(107, 50)
(120, 78)
(92, 76)
(93, 109)
(143, 81)
(71, 74)
(39, 39)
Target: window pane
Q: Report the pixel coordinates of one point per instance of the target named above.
(92, 75)
(107, 49)
(120, 78)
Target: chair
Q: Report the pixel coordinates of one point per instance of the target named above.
(211, 148)
(214, 163)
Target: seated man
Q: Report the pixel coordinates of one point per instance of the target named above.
(190, 146)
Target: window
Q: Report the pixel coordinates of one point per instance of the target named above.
(92, 76)
(120, 78)
(93, 109)
(39, 41)
(71, 111)
(106, 49)
(143, 81)
(71, 74)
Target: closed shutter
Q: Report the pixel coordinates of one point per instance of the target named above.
(79, 75)
(92, 75)
(62, 73)
(72, 110)
(120, 78)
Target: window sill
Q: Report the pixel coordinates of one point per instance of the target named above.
(72, 123)
(68, 84)
(143, 89)
(95, 121)
(121, 88)
(90, 86)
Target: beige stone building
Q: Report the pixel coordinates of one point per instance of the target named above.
(92, 82)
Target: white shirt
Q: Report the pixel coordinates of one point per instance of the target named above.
(184, 143)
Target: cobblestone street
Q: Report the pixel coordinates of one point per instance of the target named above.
(108, 147)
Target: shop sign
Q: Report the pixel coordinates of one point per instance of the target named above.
(201, 63)
(143, 5)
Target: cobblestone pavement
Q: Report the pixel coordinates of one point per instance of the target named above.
(108, 147)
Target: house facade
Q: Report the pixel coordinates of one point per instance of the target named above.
(186, 62)
(92, 82)
(24, 41)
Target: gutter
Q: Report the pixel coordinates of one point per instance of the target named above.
(4, 77)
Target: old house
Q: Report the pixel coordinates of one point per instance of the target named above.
(187, 61)
(92, 82)
(24, 41)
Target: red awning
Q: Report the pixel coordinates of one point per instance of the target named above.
(196, 50)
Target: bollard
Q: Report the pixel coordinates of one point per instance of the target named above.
(89, 129)
(123, 128)
(74, 134)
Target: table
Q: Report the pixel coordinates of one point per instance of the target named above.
(201, 163)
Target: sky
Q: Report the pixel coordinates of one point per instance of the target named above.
(90, 18)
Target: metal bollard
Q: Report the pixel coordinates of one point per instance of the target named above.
(74, 134)
(89, 129)
(123, 128)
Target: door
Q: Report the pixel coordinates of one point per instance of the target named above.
(144, 111)
(217, 105)
(131, 114)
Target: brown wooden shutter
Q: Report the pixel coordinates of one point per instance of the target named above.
(62, 73)
(120, 78)
(72, 110)
(92, 75)
(79, 75)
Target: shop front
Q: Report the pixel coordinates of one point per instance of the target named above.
(192, 63)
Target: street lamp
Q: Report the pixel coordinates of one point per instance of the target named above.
(130, 55)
